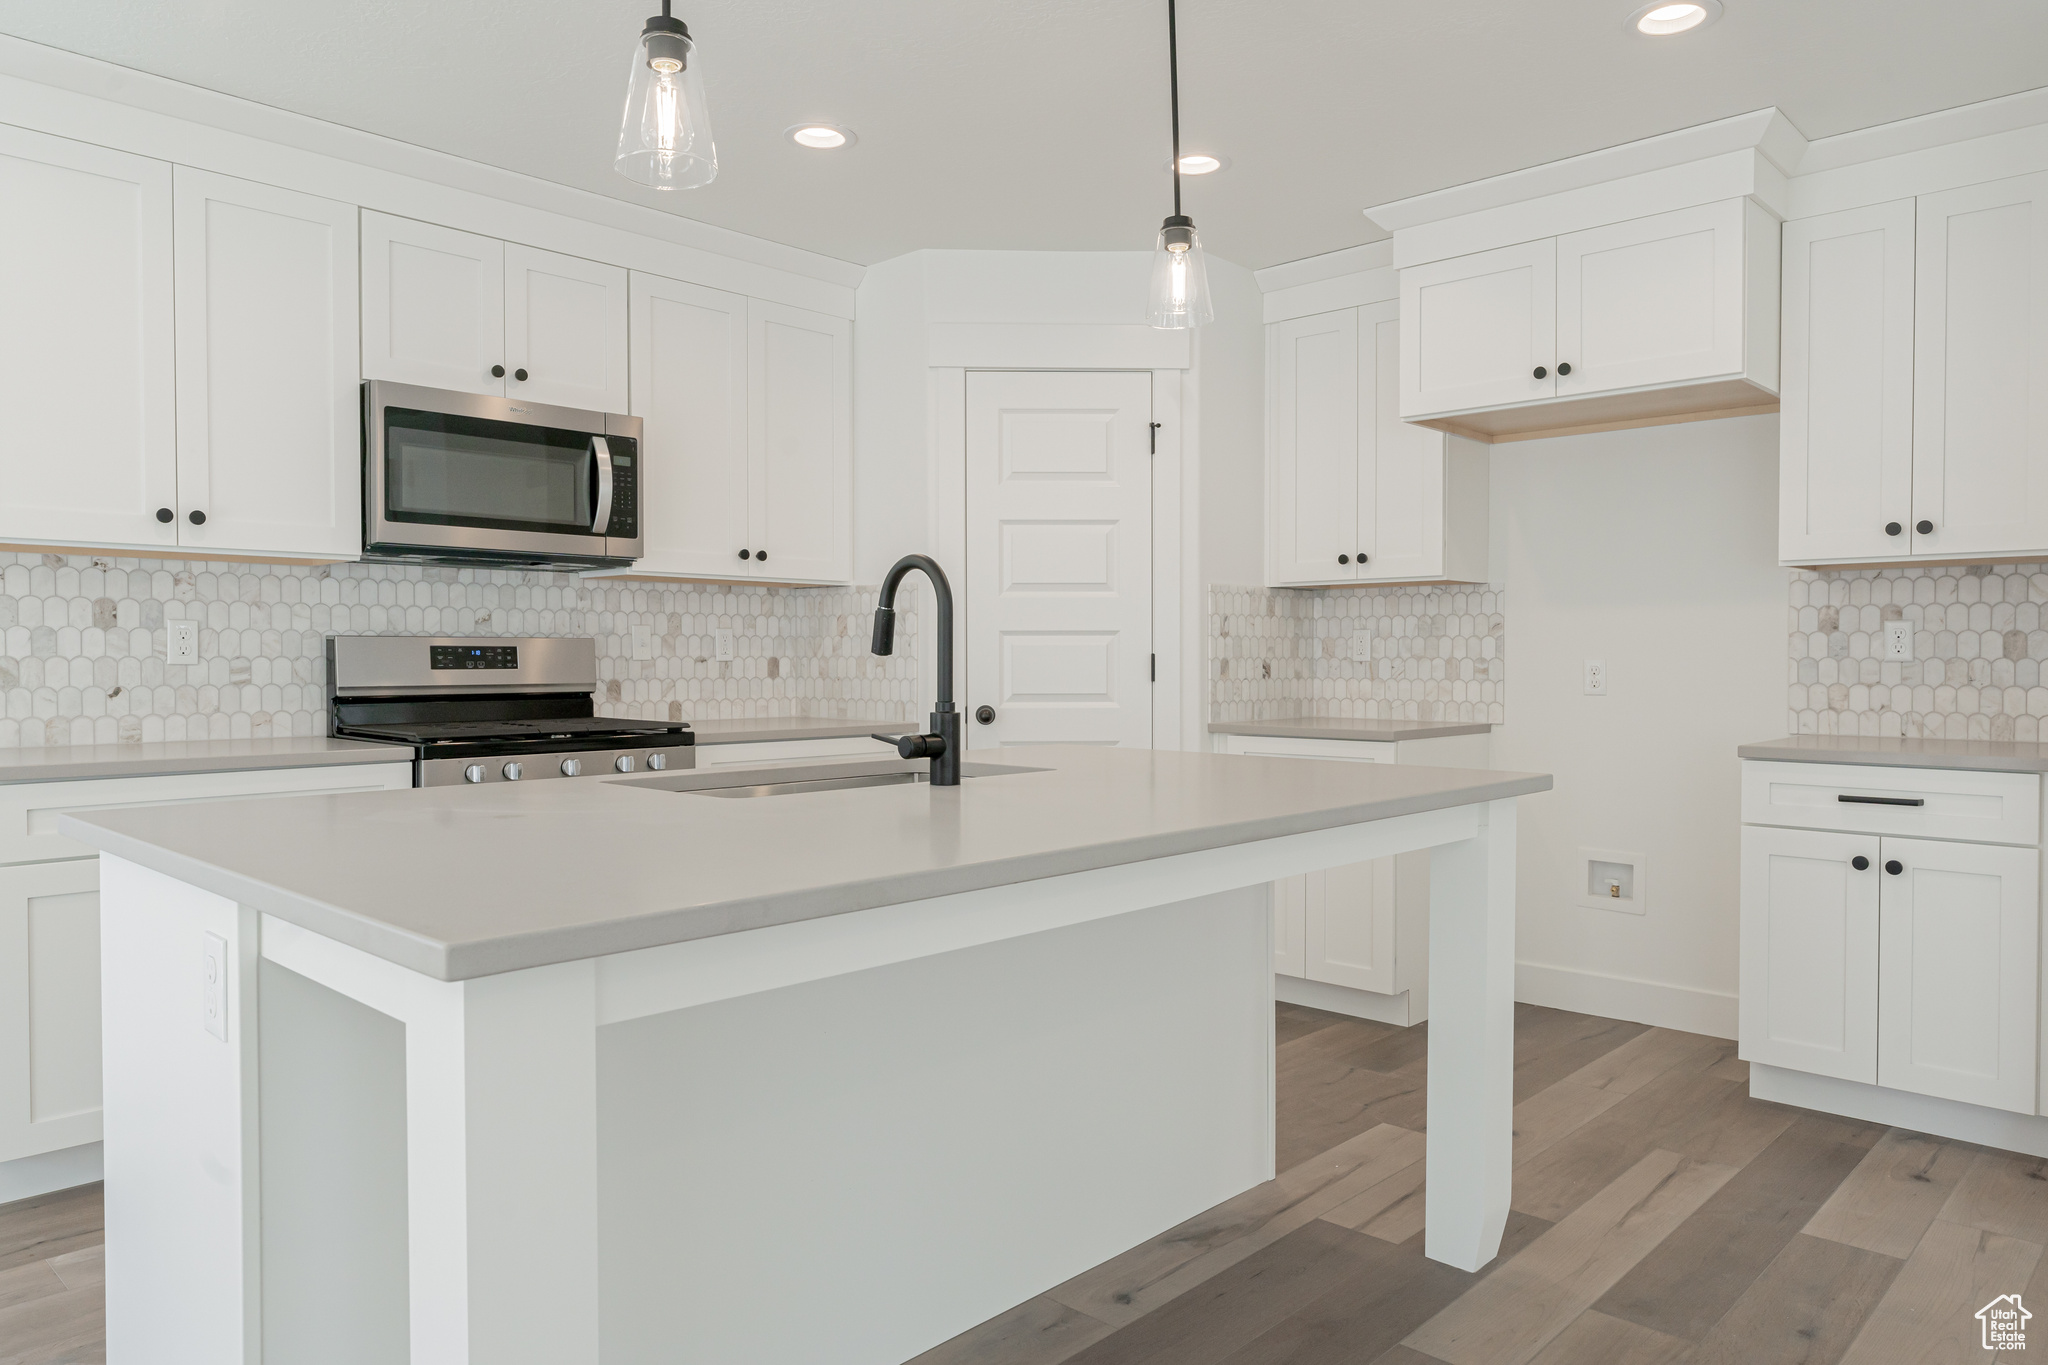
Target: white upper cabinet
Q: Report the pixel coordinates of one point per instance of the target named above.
(433, 306)
(86, 371)
(799, 444)
(1845, 433)
(690, 389)
(1980, 441)
(565, 330)
(1355, 494)
(269, 412)
(1476, 330)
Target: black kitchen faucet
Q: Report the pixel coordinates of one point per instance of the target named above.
(942, 746)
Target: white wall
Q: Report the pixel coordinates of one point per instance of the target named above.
(1229, 405)
(1655, 550)
(891, 418)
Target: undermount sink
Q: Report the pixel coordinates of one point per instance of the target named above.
(815, 784)
(742, 786)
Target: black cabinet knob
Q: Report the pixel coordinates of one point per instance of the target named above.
(761, 556)
(1343, 559)
(165, 514)
(1895, 867)
(519, 375)
(746, 554)
(1543, 372)
(196, 518)
(1361, 556)
(1924, 527)
(497, 371)
(985, 714)
(1564, 367)
(1860, 863)
(1892, 528)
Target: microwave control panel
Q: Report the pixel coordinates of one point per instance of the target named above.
(625, 522)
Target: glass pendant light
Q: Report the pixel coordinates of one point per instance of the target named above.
(665, 137)
(1180, 278)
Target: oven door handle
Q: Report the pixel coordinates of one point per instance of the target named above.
(603, 519)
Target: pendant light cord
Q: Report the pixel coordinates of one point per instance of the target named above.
(1173, 84)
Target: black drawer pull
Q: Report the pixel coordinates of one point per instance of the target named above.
(1883, 800)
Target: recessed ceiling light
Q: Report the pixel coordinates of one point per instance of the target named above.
(820, 137)
(1662, 18)
(1198, 163)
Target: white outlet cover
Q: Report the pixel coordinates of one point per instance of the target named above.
(643, 642)
(1898, 641)
(1361, 648)
(722, 645)
(1596, 677)
(181, 642)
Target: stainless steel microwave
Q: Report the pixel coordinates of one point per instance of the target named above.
(468, 478)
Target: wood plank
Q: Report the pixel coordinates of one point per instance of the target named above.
(1298, 1021)
(1805, 1308)
(1548, 1115)
(26, 1282)
(82, 1269)
(1891, 1198)
(1405, 1355)
(47, 1328)
(1691, 1279)
(1928, 1314)
(1040, 1331)
(1326, 1096)
(1552, 1044)
(2002, 1192)
(50, 1225)
(1730, 1069)
(1651, 1054)
(1517, 1310)
(1595, 1337)
(1366, 1207)
(1129, 1285)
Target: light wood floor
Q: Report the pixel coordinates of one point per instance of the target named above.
(1660, 1216)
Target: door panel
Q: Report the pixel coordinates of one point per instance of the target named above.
(1655, 300)
(1059, 557)
(689, 369)
(49, 1007)
(1980, 444)
(565, 325)
(1475, 329)
(1400, 465)
(1351, 926)
(433, 305)
(1845, 431)
(1314, 386)
(800, 440)
(1958, 968)
(1809, 969)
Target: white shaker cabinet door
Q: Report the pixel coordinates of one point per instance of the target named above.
(1400, 465)
(1845, 429)
(1809, 963)
(565, 330)
(1476, 329)
(1959, 971)
(690, 390)
(800, 444)
(433, 306)
(1312, 377)
(88, 436)
(50, 1006)
(1980, 392)
(1351, 926)
(1652, 301)
(269, 407)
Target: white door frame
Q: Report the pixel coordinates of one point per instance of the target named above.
(1174, 504)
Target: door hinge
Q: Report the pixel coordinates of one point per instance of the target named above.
(1155, 438)
(1155, 668)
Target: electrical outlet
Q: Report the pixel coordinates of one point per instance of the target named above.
(1361, 648)
(1898, 640)
(1596, 677)
(643, 642)
(181, 642)
(216, 983)
(722, 645)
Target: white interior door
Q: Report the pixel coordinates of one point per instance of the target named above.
(1980, 373)
(565, 330)
(1958, 971)
(1475, 329)
(800, 444)
(1809, 951)
(690, 391)
(433, 305)
(88, 440)
(1845, 429)
(49, 1006)
(1651, 301)
(269, 361)
(1059, 558)
(1312, 379)
(1400, 465)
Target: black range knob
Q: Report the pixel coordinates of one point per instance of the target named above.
(746, 554)
(1860, 863)
(197, 518)
(519, 375)
(1895, 867)
(1543, 372)
(165, 514)
(1924, 527)
(1343, 559)
(1892, 528)
(497, 371)
(1564, 367)
(985, 714)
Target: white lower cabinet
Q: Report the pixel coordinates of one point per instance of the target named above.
(1809, 951)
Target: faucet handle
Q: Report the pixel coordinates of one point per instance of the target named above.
(915, 746)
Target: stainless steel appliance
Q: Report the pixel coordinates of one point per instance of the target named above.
(467, 478)
(490, 710)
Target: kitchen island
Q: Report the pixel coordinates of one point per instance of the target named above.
(615, 1069)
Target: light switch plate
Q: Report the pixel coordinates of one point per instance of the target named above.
(1596, 677)
(722, 645)
(215, 981)
(181, 642)
(1898, 640)
(643, 642)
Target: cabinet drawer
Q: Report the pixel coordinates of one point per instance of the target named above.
(1926, 803)
(29, 810)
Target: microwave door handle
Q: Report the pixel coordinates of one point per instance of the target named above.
(603, 519)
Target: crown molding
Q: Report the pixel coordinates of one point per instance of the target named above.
(1963, 123)
(1328, 266)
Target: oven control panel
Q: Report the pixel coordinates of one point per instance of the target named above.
(443, 657)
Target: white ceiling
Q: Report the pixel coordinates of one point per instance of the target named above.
(1042, 123)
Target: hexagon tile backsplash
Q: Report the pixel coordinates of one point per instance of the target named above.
(1434, 653)
(83, 654)
(1980, 648)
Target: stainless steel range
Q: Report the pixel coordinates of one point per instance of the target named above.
(490, 710)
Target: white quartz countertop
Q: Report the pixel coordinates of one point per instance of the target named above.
(792, 727)
(459, 882)
(64, 762)
(1374, 731)
(1970, 755)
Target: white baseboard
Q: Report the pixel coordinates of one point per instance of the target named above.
(1655, 1003)
(2001, 1128)
(1321, 995)
(28, 1176)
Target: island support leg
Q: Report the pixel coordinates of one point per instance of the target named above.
(1470, 1150)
